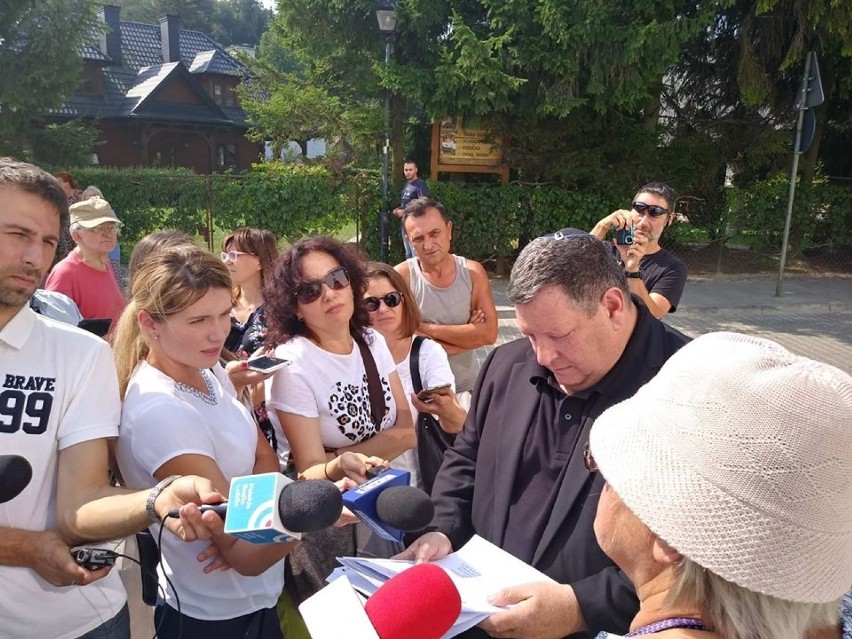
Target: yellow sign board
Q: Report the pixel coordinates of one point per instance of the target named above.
(460, 145)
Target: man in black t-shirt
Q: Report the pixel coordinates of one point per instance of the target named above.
(653, 273)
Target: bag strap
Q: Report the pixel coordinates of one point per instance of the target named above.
(374, 384)
(414, 363)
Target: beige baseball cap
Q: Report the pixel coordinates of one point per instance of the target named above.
(92, 212)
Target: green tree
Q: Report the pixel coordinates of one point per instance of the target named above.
(239, 21)
(194, 14)
(39, 55)
(317, 74)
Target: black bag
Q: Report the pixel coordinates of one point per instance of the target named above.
(432, 440)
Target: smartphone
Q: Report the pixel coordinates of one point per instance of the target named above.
(624, 237)
(267, 364)
(98, 326)
(424, 395)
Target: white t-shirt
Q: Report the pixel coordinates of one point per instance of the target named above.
(58, 388)
(331, 387)
(161, 421)
(434, 371)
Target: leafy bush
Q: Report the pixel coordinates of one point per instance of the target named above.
(822, 214)
(490, 223)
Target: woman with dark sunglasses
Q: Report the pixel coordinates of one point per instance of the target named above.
(394, 314)
(321, 403)
(317, 318)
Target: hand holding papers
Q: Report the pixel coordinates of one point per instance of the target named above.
(478, 570)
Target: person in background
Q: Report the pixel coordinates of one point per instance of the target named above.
(654, 274)
(72, 192)
(150, 244)
(86, 274)
(115, 254)
(730, 516)
(180, 415)
(452, 292)
(249, 255)
(414, 188)
(394, 314)
(324, 404)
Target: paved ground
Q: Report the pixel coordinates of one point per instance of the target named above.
(813, 317)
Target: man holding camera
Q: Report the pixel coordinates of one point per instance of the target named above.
(654, 274)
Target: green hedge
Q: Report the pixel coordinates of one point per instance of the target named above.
(490, 222)
(822, 214)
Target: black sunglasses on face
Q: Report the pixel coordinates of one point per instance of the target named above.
(336, 279)
(653, 209)
(391, 300)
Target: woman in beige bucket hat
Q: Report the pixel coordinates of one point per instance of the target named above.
(728, 500)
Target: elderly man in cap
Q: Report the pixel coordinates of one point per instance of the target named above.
(86, 274)
(516, 474)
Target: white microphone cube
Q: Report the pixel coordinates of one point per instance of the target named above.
(253, 509)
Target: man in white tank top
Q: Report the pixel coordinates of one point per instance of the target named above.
(452, 292)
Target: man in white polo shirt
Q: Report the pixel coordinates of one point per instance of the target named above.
(59, 404)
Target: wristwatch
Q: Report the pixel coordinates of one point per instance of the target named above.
(152, 497)
(637, 275)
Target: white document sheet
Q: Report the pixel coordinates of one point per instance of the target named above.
(478, 569)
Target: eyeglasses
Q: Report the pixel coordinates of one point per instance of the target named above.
(653, 209)
(108, 228)
(231, 255)
(391, 300)
(336, 279)
(589, 461)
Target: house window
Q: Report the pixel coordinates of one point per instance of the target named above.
(217, 94)
(226, 156)
(229, 96)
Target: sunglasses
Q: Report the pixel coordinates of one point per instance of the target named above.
(567, 234)
(391, 300)
(653, 209)
(231, 255)
(336, 279)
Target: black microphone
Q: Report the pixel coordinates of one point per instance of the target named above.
(304, 506)
(15, 475)
(405, 508)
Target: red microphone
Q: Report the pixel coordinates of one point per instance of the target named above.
(419, 602)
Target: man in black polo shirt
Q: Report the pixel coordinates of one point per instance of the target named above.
(516, 474)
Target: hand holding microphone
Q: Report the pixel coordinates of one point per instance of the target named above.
(271, 508)
(389, 506)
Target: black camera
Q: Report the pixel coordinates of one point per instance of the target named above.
(94, 558)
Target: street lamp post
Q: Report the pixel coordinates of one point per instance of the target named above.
(386, 16)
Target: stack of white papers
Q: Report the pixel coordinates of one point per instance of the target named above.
(478, 569)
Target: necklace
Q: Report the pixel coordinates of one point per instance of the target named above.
(208, 398)
(665, 624)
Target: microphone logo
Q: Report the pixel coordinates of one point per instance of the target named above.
(264, 515)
